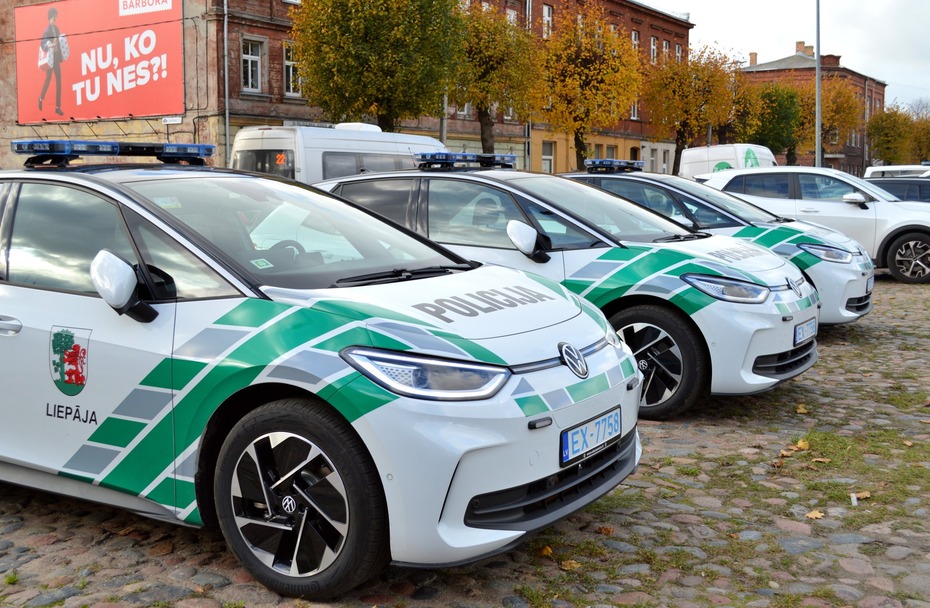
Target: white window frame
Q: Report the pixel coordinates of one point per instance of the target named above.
(666, 47)
(548, 160)
(255, 62)
(653, 49)
(634, 110)
(678, 53)
(634, 38)
(547, 18)
(292, 84)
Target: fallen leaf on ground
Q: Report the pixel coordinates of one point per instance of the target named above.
(605, 530)
(863, 494)
(545, 551)
(824, 460)
(803, 444)
(815, 514)
(802, 409)
(569, 564)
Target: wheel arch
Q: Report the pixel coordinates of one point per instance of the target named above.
(614, 306)
(881, 260)
(224, 418)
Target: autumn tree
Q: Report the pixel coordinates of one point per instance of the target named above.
(890, 134)
(590, 77)
(779, 117)
(496, 68)
(841, 112)
(745, 106)
(685, 98)
(920, 140)
(390, 59)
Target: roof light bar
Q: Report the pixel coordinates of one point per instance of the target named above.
(611, 165)
(451, 158)
(60, 152)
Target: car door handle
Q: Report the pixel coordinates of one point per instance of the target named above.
(9, 326)
(810, 210)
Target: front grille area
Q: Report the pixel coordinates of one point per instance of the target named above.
(541, 502)
(784, 365)
(860, 305)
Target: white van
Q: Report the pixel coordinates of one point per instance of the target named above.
(312, 154)
(708, 159)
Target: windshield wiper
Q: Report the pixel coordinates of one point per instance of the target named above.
(399, 274)
(681, 237)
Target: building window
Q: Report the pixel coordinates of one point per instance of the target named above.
(634, 152)
(465, 111)
(634, 37)
(598, 150)
(548, 157)
(678, 53)
(547, 20)
(252, 66)
(512, 16)
(666, 47)
(291, 78)
(665, 167)
(634, 110)
(611, 151)
(653, 49)
(652, 160)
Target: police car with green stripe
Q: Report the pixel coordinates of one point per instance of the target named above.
(837, 265)
(702, 313)
(337, 393)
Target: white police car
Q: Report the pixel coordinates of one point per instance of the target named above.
(336, 392)
(701, 312)
(837, 265)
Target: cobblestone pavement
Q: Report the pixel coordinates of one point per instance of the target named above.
(813, 494)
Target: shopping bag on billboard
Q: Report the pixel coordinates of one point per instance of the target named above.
(46, 59)
(63, 46)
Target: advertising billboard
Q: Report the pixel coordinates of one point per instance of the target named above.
(98, 59)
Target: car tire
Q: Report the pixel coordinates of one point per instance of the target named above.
(671, 355)
(299, 500)
(909, 258)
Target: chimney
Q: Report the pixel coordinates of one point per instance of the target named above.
(799, 46)
(753, 58)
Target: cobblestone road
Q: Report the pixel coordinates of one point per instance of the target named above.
(814, 494)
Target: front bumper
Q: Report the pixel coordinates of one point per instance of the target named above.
(468, 479)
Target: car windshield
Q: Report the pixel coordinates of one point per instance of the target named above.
(732, 205)
(623, 219)
(286, 235)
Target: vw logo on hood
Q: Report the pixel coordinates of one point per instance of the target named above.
(795, 287)
(573, 358)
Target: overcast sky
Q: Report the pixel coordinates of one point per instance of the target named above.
(888, 40)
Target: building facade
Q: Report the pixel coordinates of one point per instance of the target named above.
(848, 152)
(198, 70)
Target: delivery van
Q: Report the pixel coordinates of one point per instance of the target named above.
(707, 159)
(312, 154)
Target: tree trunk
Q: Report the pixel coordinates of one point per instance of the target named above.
(486, 120)
(581, 150)
(791, 156)
(387, 123)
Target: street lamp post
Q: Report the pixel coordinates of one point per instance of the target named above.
(818, 117)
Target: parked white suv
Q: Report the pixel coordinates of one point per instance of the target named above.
(896, 233)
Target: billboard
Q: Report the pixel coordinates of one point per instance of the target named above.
(98, 59)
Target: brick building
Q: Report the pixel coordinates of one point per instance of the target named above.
(198, 70)
(848, 153)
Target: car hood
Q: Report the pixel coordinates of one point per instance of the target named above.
(736, 253)
(488, 303)
(816, 233)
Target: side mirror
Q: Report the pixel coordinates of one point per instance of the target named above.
(855, 198)
(116, 282)
(525, 238)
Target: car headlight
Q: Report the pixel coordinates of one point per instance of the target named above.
(827, 253)
(729, 290)
(426, 377)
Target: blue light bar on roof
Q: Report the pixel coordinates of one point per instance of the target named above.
(613, 163)
(465, 157)
(65, 147)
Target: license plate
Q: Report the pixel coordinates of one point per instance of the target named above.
(805, 331)
(869, 284)
(590, 437)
